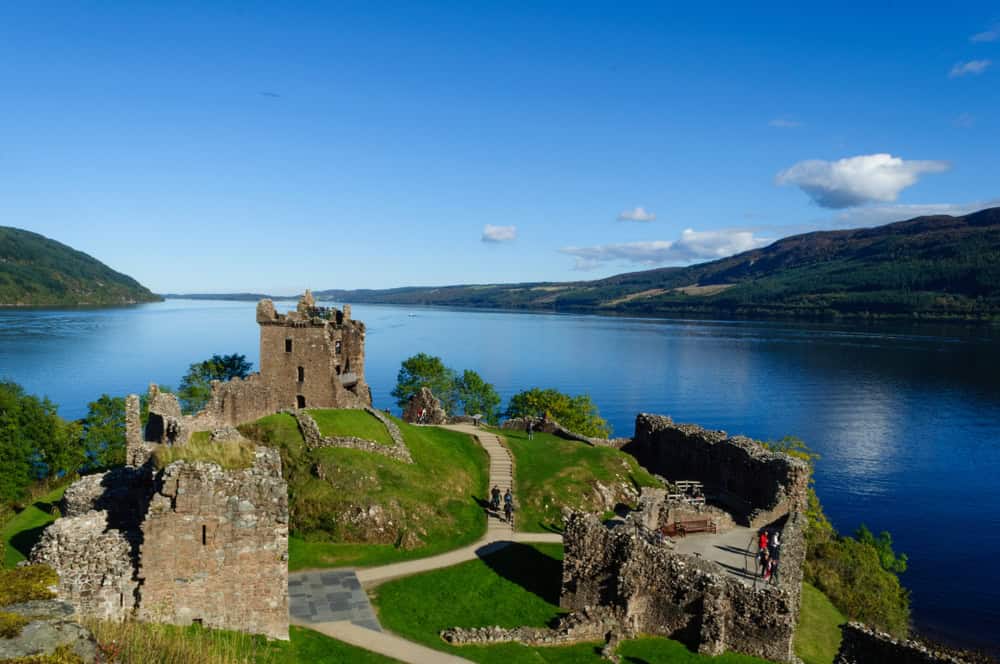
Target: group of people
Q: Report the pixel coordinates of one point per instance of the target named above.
(769, 553)
(508, 503)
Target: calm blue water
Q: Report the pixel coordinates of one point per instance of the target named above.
(907, 420)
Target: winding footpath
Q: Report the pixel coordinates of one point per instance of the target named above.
(334, 602)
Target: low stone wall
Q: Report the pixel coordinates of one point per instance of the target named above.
(586, 625)
(653, 590)
(315, 439)
(754, 484)
(863, 645)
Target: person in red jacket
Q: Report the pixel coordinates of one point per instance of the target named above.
(763, 539)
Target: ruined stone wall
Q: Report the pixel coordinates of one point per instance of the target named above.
(424, 401)
(863, 645)
(215, 548)
(758, 486)
(656, 591)
(329, 349)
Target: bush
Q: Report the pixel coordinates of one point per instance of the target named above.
(11, 624)
(423, 370)
(578, 414)
(23, 584)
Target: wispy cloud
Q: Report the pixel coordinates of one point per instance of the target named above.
(784, 123)
(636, 214)
(493, 233)
(990, 35)
(857, 180)
(691, 246)
(970, 68)
(877, 215)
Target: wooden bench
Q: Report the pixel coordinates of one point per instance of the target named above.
(682, 528)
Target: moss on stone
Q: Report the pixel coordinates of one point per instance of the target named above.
(11, 624)
(24, 584)
(61, 655)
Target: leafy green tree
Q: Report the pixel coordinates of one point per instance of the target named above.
(477, 396)
(423, 370)
(891, 562)
(15, 447)
(578, 414)
(196, 385)
(103, 435)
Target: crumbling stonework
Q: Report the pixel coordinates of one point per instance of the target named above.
(215, 548)
(189, 542)
(588, 624)
(424, 408)
(754, 484)
(655, 511)
(653, 590)
(548, 425)
(863, 645)
(314, 438)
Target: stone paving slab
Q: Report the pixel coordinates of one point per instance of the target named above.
(330, 596)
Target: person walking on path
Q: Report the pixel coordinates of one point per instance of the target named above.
(762, 544)
(508, 506)
(531, 428)
(774, 544)
(495, 499)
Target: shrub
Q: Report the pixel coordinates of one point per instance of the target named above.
(578, 414)
(11, 624)
(23, 584)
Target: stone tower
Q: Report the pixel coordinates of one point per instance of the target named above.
(313, 357)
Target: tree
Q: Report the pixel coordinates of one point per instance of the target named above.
(423, 370)
(578, 414)
(196, 385)
(477, 396)
(103, 436)
(891, 562)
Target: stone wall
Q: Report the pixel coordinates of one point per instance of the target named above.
(653, 590)
(215, 548)
(315, 439)
(551, 426)
(655, 511)
(863, 645)
(756, 485)
(424, 402)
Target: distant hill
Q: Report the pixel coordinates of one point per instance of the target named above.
(936, 267)
(37, 271)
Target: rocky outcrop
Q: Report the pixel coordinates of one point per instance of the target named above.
(863, 645)
(424, 408)
(51, 627)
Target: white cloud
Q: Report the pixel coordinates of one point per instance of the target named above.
(636, 214)
(493, 233)
(973, 67)
(692, 246)
(857, 180)
(987, 36)
(784, 123)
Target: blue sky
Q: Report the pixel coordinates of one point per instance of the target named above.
(205, 147)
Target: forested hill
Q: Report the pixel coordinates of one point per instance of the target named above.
(37, 271)
(928, 267)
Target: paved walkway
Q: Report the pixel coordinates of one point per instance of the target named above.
(327, 601)
(728, 549)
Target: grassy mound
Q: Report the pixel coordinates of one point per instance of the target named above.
(350, 507)
(23, 530)
(231, 455)
(551, 473)
(150, 643)
(348, 422)
(817, 637)
(518, 585)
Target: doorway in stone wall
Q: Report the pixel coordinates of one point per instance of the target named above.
(300, 401)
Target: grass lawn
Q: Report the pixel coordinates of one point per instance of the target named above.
(518, 585)
(434, 502)
(817, 637)
(25, 528)
(551, 473)
(349, 422)
(150, 643)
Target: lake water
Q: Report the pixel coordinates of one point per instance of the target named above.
(907, 419)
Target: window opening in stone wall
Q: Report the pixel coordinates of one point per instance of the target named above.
(204, 535)
(300, 401)
(121, 599)
(336, 347)
(198, 621)
(338, 369)
(288, 345)
(302, 374)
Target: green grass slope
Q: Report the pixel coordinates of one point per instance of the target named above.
(358, 423)
(551, 473)
(817, 637)
(37, 271)
(23, 530)
(517, 585)
(349, 507)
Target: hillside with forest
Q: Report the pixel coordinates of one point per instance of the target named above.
(37, 271)
(934, 267)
